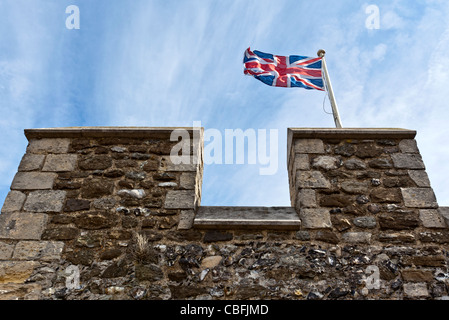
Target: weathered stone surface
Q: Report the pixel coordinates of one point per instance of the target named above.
(14, 201)
(385, 195)
(315, 218)
(357, 237)
(365, 222)
(398, 221)
(6, 250)
(381, 163)
(407, 161)
(133, 193)
(19, 291)
(211, 262)
(368, 150)
(33, 180)
(416, 275)
(95, 162)
(420, 178)
(96, 187)
(336, 200)
(408, 146)
(15, 271)
(49, 145)
(327, 236)
(396, 237)
(301, 162)
(95, 220)
(431, 218)
(186, 219)
(425, 261)
(326, 162)
(38, 250)
(187, 180)
(419, 198)
(60, 233)
(354, 164)
(150, 272)
(31, 162)
(355, 187)
(72, 205)
(345, 149)
(436, 237)
(444, 212)
(311, 180)
(306, 198)
(22, 225)
(309, 146)
(45, 201)
(180, 199)
(213, 236)
(416, 290)
(60, 162)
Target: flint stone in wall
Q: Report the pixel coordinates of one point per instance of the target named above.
(419, 197)
(31, 162)
(311, 180)
(33, 180)
(354, 164)
(49, 145)
(14, 201)
(355, 187)
(45, 201)
(60, 162)
(315, 218)
(22, 225)
(326, 162)
(357, 237)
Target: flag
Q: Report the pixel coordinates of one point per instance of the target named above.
(284, 71)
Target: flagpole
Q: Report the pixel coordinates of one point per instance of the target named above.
(330, 92)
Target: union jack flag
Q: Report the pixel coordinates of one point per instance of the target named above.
(280, 71)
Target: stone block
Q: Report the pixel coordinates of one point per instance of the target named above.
(60, 162)
(416, 275)
(186, 219)
(187, 180)
(431, 218)
(408, 146)
(407, 161)
(301, 162)
(16, 291)
(357, 237)
(33, 180)
(309, 146)
(167, 165)
(22, 225)
(365, 222)
(15, 271)
(315, 218)
(354, 164)
(326, 162)
(48, 145)
(14, 201)
(311, 180)
(306, 198)
(383, 195)
(38, 250)
(420, 178)
(31, 162)
(95, 162)
(45, 201)
(6, 250)
(444, 212)
(416, 290)
(180, 199)
(355, 187)
(398, 221)
(419, 198)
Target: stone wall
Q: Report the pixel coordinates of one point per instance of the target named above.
(103, 213)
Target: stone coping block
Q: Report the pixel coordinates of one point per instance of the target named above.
(33, 180)
(247, 218)
(101, 132)
(346, 133)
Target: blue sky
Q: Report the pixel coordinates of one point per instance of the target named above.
(169, 63)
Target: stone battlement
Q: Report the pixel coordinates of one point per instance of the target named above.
(104, 213)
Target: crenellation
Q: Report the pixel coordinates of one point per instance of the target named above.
(111, 204)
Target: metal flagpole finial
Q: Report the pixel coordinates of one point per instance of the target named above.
(321, 53)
